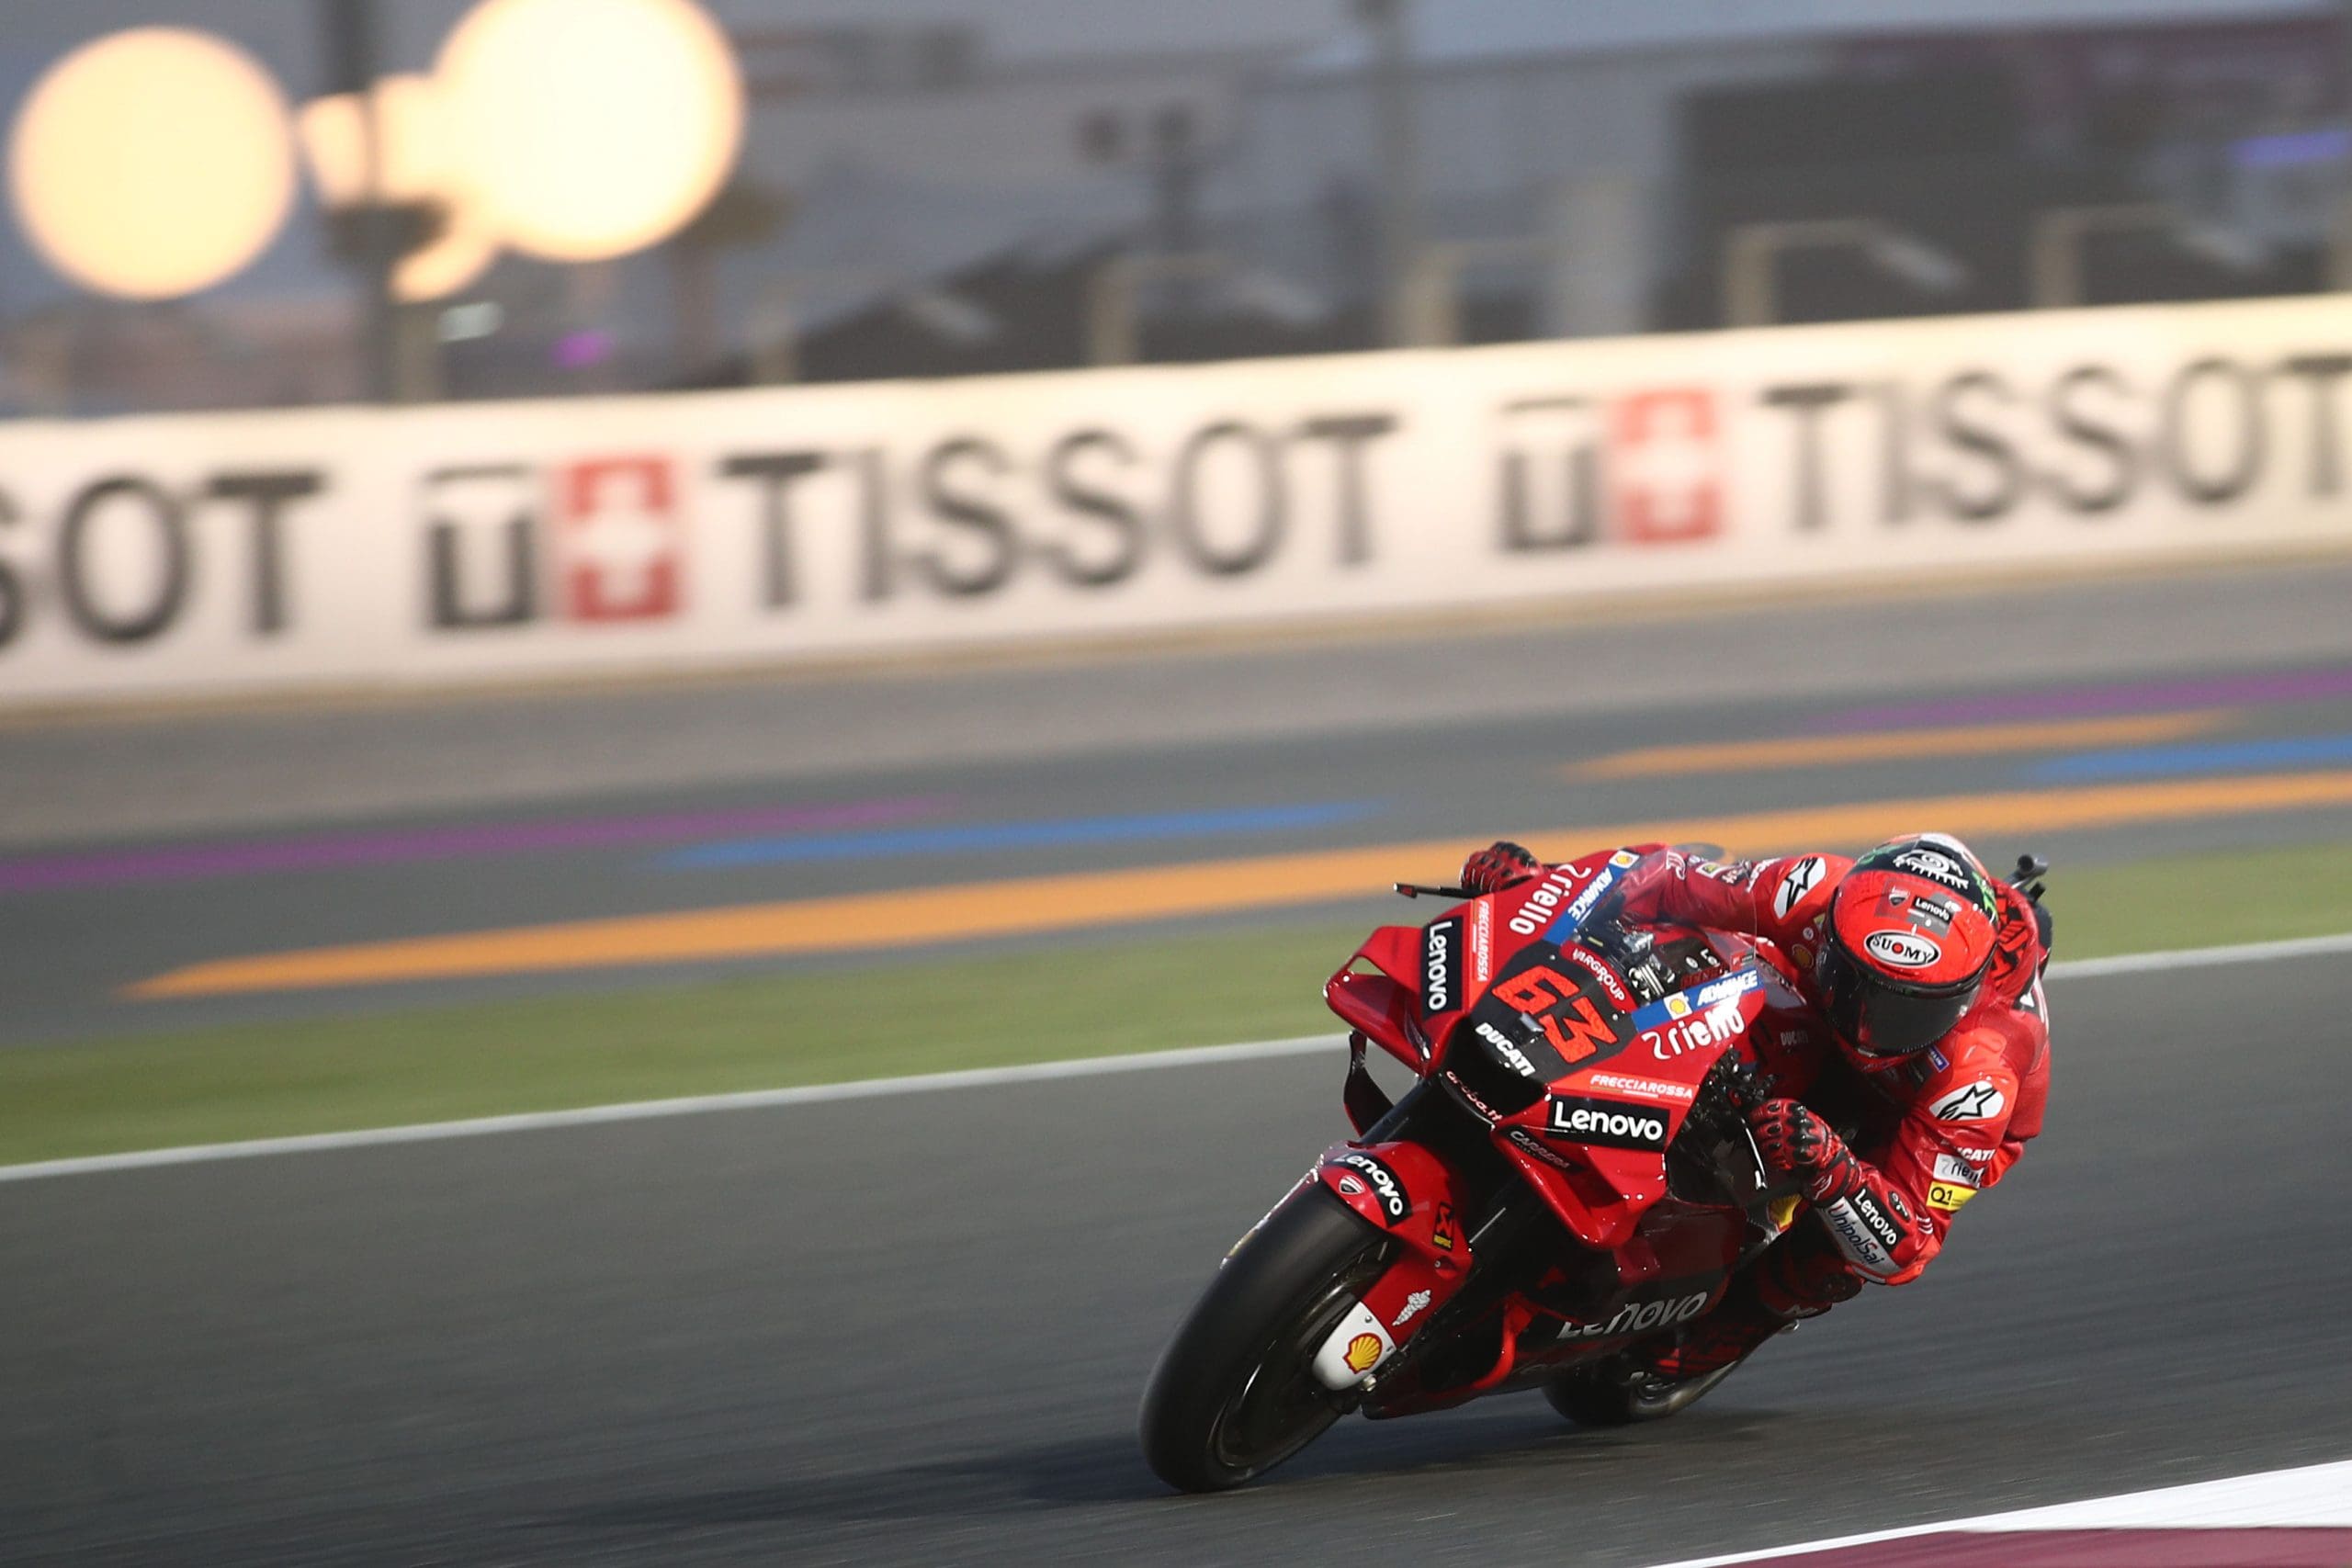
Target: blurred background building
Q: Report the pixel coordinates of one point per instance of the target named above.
(924, 187)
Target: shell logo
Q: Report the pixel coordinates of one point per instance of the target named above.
(1363, 1351)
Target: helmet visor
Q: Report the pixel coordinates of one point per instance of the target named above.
(1878, 1021)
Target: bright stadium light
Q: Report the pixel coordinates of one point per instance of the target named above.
(591, 128)
(151, 163)
(412, 150)
(416, 164)
(453, 259)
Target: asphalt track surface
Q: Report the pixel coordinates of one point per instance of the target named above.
(914, 1330)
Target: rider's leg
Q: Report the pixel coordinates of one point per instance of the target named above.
(1802, 1276)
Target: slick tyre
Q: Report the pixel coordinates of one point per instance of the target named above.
(1235, 1393)
(1599, 1398)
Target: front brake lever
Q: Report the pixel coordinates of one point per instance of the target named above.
(1415, 890)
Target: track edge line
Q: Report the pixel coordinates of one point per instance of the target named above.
(975, 1077)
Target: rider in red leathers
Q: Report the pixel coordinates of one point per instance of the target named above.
(1924, 1033)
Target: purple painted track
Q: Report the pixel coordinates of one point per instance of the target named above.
(331, 850)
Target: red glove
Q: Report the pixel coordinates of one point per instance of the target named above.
(1499, 866)
(1793, 1139)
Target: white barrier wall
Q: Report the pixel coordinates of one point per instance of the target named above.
(146, 556)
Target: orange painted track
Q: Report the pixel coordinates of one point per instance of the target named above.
(1023, 906)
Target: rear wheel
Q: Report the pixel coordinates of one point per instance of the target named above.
(1610, 1396)
(1235, 1393)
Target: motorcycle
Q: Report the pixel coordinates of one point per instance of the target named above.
(1568, 1175)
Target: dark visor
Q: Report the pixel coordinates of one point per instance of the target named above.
(1876, 1019)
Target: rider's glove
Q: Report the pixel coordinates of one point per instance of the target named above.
(1793, 1139)
(1498, 866)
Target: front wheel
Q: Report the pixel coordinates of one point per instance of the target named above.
(1235, 1393)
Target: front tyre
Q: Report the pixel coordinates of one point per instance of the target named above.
(1235, 1393)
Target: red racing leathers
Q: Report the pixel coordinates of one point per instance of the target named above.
(1926, 1134)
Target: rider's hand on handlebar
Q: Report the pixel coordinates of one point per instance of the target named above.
(1499, 866)
(1793, 1139)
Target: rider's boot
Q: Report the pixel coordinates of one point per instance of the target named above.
(1802, 1278)
(1716, 1343)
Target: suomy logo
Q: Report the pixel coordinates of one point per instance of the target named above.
(1905, 950)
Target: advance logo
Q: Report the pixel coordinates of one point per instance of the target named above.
(1609, 1123)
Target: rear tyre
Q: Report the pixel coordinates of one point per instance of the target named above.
(1610, 1396)
(1235, 1393)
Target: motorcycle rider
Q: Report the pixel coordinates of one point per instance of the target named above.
(1923, 1031)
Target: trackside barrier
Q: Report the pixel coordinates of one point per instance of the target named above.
(142, 557)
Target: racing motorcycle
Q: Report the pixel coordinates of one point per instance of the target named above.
(1568, 1174)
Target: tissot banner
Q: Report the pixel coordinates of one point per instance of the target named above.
(146, 556)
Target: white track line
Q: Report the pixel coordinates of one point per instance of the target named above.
(2202, 957)
(691, 1105)
(978, 1078)
(2317, 1495)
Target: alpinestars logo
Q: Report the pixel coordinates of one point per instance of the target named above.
(1978, 1101)
(1796, 885)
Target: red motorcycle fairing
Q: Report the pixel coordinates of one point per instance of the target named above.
(1409, 1192)
(1593, 1143)
(1600, 1085)
(1382, 1006)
